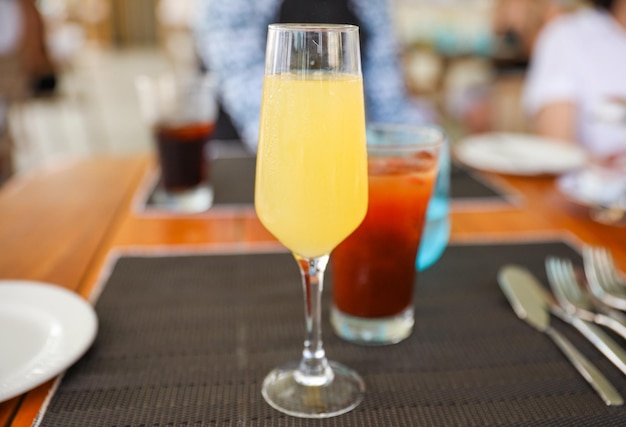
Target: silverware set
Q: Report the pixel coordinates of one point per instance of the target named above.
(588, 299)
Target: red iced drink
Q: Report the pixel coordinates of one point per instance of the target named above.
(374, 268)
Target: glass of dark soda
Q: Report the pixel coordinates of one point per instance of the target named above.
(181, 111)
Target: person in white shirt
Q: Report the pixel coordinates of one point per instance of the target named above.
(576, 85)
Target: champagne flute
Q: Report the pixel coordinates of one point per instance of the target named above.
(311, 189)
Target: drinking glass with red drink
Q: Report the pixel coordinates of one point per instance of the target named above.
(181, 112)
(374, 268)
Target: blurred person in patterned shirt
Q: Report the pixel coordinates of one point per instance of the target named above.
(231, 37)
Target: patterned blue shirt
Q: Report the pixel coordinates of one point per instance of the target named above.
(231, 37)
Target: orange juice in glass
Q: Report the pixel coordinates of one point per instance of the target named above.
(311, 189)
(374, 268)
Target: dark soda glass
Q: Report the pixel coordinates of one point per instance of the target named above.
(181, 153)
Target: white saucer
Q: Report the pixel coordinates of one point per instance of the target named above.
(519, 154)
(595, 186)
(44, 329)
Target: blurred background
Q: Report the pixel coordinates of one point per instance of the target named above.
(468, 57)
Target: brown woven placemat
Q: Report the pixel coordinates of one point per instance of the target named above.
(187, 341)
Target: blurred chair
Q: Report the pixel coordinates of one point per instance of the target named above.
(40, 106)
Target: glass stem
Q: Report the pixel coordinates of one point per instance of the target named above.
(314, 369)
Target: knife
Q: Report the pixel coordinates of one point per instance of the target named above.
(531, 303)
(607, 345)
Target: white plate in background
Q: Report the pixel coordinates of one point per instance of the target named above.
(519, 154)
(44, 329)
(595, 186)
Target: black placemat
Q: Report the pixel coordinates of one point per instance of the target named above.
(187, 341)
(233, 169)
(231, 173)
(467, 187)
(233, 180)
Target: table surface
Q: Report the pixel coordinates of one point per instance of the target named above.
(59, 224)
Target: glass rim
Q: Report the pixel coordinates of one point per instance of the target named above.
(317, 27)
(435, 136)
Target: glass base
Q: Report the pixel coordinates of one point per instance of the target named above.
(193, 200)
(373, 331)
(284, 391)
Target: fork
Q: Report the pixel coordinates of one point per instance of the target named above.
(574, 299)
(567, 312)
(604, 281)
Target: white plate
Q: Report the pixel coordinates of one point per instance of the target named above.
(595, 186)
(44, 329)
(519, 154)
